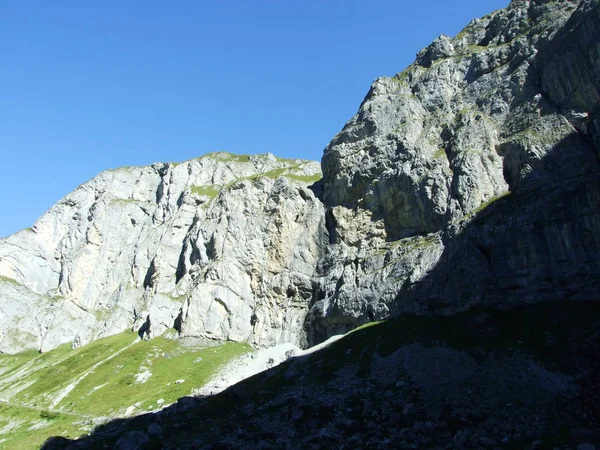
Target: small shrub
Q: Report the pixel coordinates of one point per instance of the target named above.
(49, 415)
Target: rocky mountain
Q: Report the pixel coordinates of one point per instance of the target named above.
(472, 176)
(480, 160)
(221, 247)
(462, 199)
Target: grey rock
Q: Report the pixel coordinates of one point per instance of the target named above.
(132, 441)
(469, 178)
(202, 246)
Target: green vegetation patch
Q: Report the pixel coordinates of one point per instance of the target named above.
(4, 279)
(305, 178)
(273, 174)
(53, 391)
(53, 371)
(281, 172)
(440, 153)
(484, 205)
(119, 383)
(27, 428)
(208, 191)
(227, 156)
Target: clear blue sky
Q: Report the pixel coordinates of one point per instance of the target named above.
(87, 86)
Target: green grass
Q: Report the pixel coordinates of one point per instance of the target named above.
(167, 361)
(484, 205)
(31, 427)
(305, 178)
(367, 325)
(213, 191)
(4, 279)
(54, 370)
(439, 153)
(227, 156)
(208, 191)
(104, 387)
(281, 172)
(288, 173)
(273, 174)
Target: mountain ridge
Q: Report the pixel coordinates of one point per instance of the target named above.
(459, 206)
(55, 258)
(481, 117)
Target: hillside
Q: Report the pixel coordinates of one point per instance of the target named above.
(459, 206)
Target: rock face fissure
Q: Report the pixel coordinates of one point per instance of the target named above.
(472, 177)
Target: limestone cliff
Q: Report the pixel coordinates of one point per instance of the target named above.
(220, 247)
(472, 177)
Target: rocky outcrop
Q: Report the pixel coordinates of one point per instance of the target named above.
(220, 247)
(472, 174)
(472, 177)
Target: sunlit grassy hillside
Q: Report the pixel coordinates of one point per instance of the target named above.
(67, 392)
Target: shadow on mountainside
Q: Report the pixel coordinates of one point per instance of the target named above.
(518, 367)
(498, 346)
(538, 242)
(502, 378)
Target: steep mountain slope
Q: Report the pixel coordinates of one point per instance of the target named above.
(477, 164)
(226, 247)
(209, 247)
(518, 379)
(463, 197)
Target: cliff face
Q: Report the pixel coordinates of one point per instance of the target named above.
(220, 247)
(470, 177)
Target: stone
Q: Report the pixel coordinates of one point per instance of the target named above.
(457, 167)
(154, 429)
(187, 246)
(133, 440)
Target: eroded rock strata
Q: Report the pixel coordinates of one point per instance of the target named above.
(221, 247)
(469, 178)
(462, 199)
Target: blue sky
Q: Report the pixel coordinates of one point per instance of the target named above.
(87, 86)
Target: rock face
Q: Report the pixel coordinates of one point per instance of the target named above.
(220, 247)
(472, 177)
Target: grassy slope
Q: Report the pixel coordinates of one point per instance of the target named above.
(211, 191)
(105, 372)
